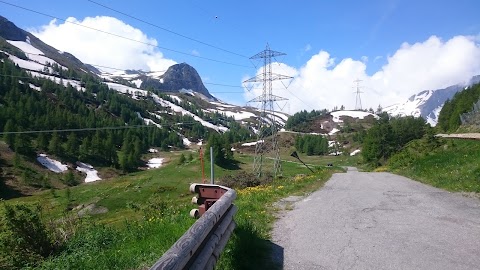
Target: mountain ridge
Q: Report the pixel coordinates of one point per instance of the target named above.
(10, 32)
(428, 103)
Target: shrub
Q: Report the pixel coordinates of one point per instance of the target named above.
(244, 179)
(24, 238)
(182, 159)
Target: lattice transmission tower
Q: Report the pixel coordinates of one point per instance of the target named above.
(358, 100)
(267, 137)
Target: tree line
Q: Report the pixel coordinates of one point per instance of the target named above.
(462, 102)
(301, 121)
(312, 145)
(58, 107)
(390, 134)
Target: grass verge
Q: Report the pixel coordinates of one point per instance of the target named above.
(250, 246)
(453, 165)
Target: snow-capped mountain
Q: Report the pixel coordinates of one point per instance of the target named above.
(31, 53)
(180, 82)
(177, 78)
(428, 103)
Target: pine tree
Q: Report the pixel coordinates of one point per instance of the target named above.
(72, 145)
(17, 160)
(22, 144)
(42, 141)
(9, 137)
(69, 179)
(54, 146)
(84, 149)
(182, 159)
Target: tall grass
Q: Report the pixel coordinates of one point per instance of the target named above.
(135, 245)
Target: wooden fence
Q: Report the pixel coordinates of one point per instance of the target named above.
(201, 245)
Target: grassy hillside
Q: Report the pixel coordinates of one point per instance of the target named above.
(450, 164)
(130, 221)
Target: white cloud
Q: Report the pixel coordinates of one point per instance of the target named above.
(195, 52)
(432, 64)
(307, 48)
(94, 47)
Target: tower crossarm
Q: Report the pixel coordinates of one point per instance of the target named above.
(267, 99)
(267, 53)
(274, 77)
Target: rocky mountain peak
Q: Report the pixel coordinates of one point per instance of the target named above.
(10, 31)
(178, 77)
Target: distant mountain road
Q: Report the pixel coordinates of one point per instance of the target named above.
(379, 221)
(471, 136)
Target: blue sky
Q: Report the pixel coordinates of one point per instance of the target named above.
(328, 43)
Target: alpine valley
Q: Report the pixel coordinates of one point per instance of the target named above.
(61, 115)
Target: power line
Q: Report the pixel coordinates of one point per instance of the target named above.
(167, 30)
(53, 75)
(75, 129)
(300, 99)
(126, 38)
(216, 92)
(99, 128)
(119, 69)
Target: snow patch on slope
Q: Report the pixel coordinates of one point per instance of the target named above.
(34, 87)
(30, 65)
(354, 114)
(34, 54)
(148, 121)
(355, 152)
(92, 174)
(52, 164)
(181, 110)
(126, 89)
(177, 99)
(155, 163)
(75, 84)
(433, 119)
(186, 141)
(222, 104)
(236, 115)
(411, 107)
(165, 103)
(252, 143)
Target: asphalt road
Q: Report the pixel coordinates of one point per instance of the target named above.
(379, 221)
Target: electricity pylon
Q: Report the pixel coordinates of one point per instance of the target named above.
(358, 100)
(267, 137)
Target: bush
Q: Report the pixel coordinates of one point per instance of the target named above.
(245, 179)
(24, 238)
(182, 159)
(69, 179)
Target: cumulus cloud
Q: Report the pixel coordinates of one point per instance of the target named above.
(95, 47)
(323, 82)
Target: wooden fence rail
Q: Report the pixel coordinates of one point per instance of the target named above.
(201, 245)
